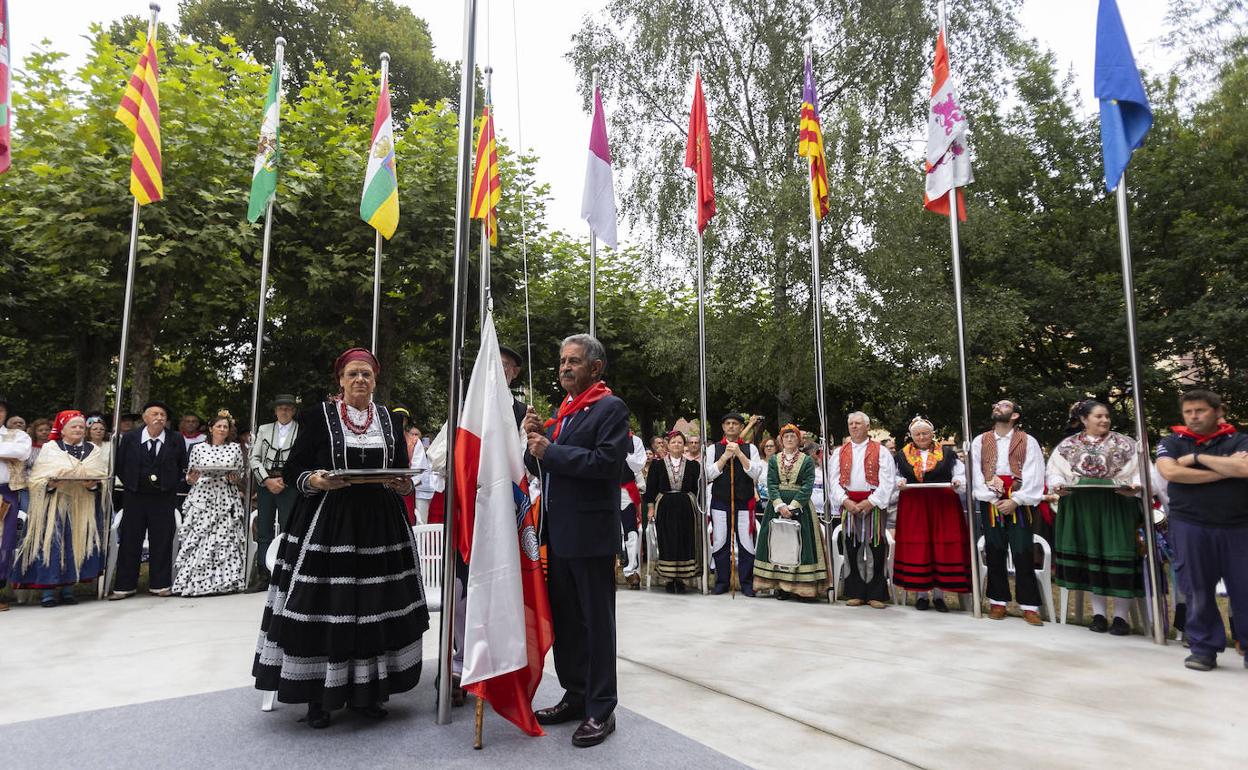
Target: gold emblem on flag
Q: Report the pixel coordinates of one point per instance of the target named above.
(381, 148)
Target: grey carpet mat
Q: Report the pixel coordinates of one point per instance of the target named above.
(227, 730)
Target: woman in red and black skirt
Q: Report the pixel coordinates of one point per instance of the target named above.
(933, 548)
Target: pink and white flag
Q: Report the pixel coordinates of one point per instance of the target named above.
(598, 202)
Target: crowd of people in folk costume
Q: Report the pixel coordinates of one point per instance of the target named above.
(751, 509)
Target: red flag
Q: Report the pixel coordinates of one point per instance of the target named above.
(698, 155)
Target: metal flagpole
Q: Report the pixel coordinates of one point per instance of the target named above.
(816, 302)
(125, 319)
(593, 238)
(976, 599)
(459, 308)
(1144, 454)
(484, 279)
(280, 46)
(702, 445)
(377, 243)
(955, 246)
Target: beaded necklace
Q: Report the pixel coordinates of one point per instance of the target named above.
(352, 426)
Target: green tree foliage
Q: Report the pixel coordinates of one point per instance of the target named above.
(334, 33)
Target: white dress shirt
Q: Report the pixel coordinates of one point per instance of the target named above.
(880, 495)
(1031, 489)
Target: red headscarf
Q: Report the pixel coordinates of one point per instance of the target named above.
(355, 354)
(62, 419)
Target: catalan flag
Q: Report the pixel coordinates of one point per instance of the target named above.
(486, 190)
(379, 203)
(140, 112)
(810, 144)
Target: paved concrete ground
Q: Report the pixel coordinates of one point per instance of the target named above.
(771, 684)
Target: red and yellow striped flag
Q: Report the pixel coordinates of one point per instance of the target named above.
(485, 186)
(140, 112)
(810, 144)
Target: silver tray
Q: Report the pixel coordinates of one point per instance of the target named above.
(929, 485)
(372, 475)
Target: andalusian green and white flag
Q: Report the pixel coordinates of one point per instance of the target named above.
(264, 175)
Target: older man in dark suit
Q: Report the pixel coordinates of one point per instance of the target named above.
(578, 455)
(151, 464)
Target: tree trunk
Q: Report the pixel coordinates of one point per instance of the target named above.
(143, 330)
(94, 360)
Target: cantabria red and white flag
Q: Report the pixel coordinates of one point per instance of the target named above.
(508, 625)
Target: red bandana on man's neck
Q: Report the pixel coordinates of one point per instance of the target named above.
(571, 406)
(1224, 429)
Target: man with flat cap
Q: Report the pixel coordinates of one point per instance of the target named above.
(151, 463)
(270, 448)
(733, 468)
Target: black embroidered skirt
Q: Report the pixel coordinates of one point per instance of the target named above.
(346, 607)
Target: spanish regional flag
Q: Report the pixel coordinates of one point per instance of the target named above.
(810, 144)
(140, 112)
(486, 190)
(698, 155)
(379, 203)
(948, 163)
(4, 86)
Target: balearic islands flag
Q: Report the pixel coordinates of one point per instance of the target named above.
(598, 201)
(264, 173)
(1125, 114)
(5, 120)
(698, 155)
(810, 143)
(508, 627)
(486, 190)
(379, 205)
(948, 162)
(140, 112)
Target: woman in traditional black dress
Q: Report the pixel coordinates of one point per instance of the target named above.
(346, 608)
(671, 498)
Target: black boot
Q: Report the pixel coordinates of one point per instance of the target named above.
(318, 718)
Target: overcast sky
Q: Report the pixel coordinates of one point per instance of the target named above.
(545, 113)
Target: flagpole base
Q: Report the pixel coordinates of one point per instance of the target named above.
(480, 717)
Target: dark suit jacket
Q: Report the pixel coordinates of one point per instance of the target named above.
(581, 480)
(171, 462)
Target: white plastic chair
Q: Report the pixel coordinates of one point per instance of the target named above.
(840, 566)
(1044, 575)
(430, 547)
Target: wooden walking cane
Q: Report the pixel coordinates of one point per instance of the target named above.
(480, 719)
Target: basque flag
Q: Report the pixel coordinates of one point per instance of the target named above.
(508, 627)
(1125, 114)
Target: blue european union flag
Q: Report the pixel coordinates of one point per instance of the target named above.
(1125, 114)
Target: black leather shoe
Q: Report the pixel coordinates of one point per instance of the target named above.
(680, 587)
(559, 713)
(318, 718)
(922, 604)
(1120, 628)
(719, 590)
(939, 605)
(1099, 624)
(747, 591)
(593, 732)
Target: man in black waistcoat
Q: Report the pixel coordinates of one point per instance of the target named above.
(151, 464)
(578, 455)
(733, 467)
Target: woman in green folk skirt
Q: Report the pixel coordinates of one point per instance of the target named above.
(1096, 546)
(790, 481)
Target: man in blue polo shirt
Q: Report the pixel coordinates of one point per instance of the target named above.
(1205, 461)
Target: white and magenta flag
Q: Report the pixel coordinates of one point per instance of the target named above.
(508, 626)
(948, 161)
(598, 201)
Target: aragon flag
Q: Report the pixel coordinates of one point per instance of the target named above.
(379, 203)
(264, 172)
(140, 112)
(948, 161)
(508, 627)
(486, 190)
(698, 155)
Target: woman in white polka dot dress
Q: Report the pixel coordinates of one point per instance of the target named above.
(210, 560)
